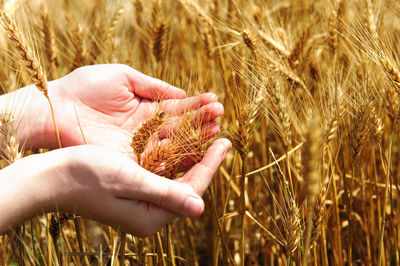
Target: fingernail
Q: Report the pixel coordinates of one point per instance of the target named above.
(218, 106)
(227, 143)
(193, 206)
(212, 96)
(227, 147)
(182, 92)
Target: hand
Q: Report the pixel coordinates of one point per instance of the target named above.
(110, 102)
(103, 185)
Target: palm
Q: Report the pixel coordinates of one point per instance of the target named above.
(104, 105)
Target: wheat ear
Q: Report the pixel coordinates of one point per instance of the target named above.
(186, 142)
(111, 27)
(310, 157)
(10, 148)
(270, 43)
(9, 138)
(30, 62)
(249, 39)
(160, 41)
(145, 132)
(79, 58)
(361, 129)
(49, 42)
(391, 70)
(191, 6)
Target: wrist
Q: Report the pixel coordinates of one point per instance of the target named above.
(32, 117)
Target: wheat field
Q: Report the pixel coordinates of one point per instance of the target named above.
(311, 91)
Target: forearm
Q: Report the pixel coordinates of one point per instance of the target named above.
(25, 190)
(31, 114)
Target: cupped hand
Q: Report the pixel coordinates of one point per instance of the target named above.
(106, 186)
(105, 104)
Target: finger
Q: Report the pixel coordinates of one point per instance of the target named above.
(203, 115)
(123, 214)
(168, 194)
(183, 105)
(128, 211)
(152, 88)
(208, 112)
(200, 176)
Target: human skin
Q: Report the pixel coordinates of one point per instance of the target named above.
(102, 180)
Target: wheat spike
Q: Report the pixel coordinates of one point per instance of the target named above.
(79, 57)
(318, 214)
(300, 46)
(139, 10)
(360, 131)
(243, 136)
(272, 44)
(189, 140)
(282, 112)
(332, 30)
(208, 40)
(291, 228)
(342, 14)
(249, 39)
(56, 224)
(161, 160)
(391, 71)
(30, 62)
(145, 132)
(9, 138)
(160, 41)
(310, 157)
(186, 142)
(193, 7)
(49, 42)
(330, 130)
(26, 55)
(114, 21)
(371, 21)
(11, 153)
